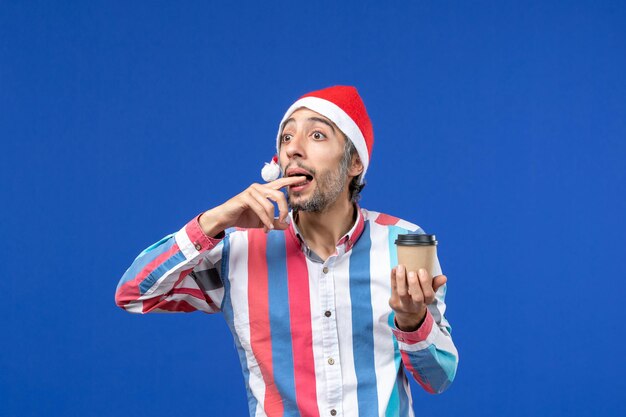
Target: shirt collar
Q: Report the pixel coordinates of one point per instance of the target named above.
(349, 239)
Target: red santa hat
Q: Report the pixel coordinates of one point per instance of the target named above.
(344, 107)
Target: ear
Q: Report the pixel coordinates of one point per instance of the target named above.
(356, 166)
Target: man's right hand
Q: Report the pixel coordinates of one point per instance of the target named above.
(252, 208)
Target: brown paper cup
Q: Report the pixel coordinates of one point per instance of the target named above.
(417, 251)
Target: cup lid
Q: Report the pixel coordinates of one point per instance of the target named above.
(413, 239)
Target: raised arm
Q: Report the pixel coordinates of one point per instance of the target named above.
(181, 272)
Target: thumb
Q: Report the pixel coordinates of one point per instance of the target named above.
(439, 281)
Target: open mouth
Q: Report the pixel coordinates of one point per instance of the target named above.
(299, 173)
(308, 177)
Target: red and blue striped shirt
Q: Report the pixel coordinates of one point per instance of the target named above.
(314, 337)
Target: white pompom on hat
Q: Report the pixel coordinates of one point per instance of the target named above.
(344, 107)
(271, 170)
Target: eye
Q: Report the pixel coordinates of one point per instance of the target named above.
(286, 138)
(318, 135)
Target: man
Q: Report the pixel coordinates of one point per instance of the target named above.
(324, 322)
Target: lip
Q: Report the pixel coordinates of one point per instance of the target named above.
(297, 171)
(301, 187)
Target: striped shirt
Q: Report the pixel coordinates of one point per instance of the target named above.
(314, 337)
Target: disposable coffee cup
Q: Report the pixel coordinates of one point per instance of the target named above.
(417, 251)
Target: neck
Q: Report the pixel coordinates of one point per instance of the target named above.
(322, 230)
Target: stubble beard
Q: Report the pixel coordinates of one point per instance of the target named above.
(328, 187)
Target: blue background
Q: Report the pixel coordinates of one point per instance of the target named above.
(500, 126)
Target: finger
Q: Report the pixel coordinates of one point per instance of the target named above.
(280, 225)
(285, 181)
(393, 279)
(393, 300)
(414, 287)
(283, 208)
(401, 285)
(258, 209)
(439, 281)
(276, 196)
(426, 283)
(265, 202)
(281, 202)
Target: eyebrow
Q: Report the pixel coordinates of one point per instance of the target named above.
(310, 119)
(326, 122)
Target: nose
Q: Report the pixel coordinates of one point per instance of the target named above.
(295, 147)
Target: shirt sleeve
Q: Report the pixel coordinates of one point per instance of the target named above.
(179, 273)
(428, 353)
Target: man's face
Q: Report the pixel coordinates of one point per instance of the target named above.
(312, 145)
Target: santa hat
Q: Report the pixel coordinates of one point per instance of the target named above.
(343, 106)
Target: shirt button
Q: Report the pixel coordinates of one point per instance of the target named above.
(328, 313)
(331, 361)
(197, 246)
(333, 412)
(325, 270)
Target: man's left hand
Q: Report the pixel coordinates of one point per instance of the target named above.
(410, 294)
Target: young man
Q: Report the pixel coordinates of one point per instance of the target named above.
(324, 322)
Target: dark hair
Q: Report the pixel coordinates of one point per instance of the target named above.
(355, 185)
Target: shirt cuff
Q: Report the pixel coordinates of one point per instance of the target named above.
(418, 335)
(200, 241)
